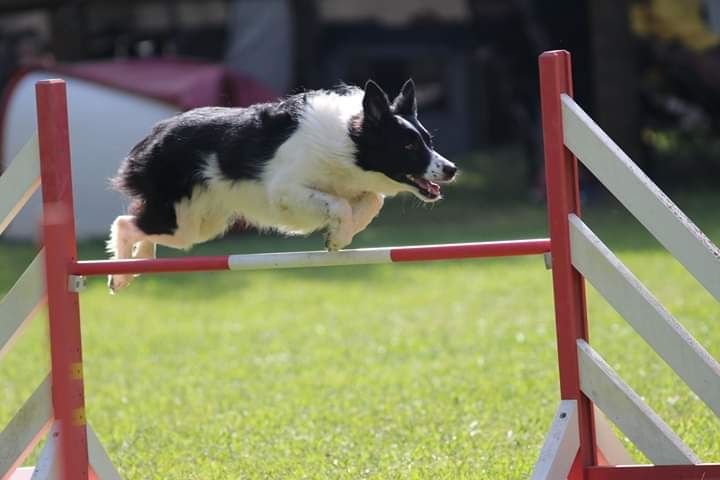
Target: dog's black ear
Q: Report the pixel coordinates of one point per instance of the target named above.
(405, 103)
(376, 105)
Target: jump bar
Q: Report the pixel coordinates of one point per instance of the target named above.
(360, 256)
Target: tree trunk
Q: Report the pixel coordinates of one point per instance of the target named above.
(68, 25)
(615, 79)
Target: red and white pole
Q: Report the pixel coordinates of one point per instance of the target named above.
(68, 396)
(561, 176)
(360, 256)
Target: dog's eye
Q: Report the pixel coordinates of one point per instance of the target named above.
(410, 146)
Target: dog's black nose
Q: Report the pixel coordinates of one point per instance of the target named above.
(449, 170)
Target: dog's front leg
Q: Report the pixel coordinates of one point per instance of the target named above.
(364, 209)
(318, 209)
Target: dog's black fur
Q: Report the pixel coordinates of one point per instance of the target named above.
(384, 143)
(167, 165)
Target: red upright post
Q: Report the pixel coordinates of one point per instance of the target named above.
(60, 252)
(561, 176)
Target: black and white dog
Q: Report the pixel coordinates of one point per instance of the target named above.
(315, 160)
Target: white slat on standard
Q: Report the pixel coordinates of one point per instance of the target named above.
(47, 465)
(19, 181)
(625, 408)
(21, 302)
(25, 429)
(22, 473)
(99, 459)
(641, 196)
(561, 444)
(611, 447)
(629, 297)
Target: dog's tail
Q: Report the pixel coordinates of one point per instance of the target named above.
(131, 175)
(117, 182)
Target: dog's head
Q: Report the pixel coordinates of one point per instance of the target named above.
(391, 140)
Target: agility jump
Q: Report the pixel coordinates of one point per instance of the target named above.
(580, 444)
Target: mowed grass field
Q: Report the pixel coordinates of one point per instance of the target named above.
(436, 370)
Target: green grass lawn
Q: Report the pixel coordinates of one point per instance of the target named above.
(438, 370)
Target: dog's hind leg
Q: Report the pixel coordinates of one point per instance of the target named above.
(144, 249)
(124, 233)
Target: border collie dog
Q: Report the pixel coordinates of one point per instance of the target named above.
(316, 160)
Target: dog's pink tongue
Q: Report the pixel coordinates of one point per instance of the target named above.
(431, 187)
(434, 188)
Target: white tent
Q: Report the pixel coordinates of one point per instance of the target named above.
(105, 123)
(112, 105)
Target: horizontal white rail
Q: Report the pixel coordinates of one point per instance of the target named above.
(672, 228)
(21, 302)
(19, 181)
(627, 410)
(698, 369)
(260, 261)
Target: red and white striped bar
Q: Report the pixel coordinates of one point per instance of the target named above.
(360, 256)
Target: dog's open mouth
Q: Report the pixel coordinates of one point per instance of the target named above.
(427, 189)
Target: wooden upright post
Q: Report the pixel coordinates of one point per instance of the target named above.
(68, 396)
(561, 175)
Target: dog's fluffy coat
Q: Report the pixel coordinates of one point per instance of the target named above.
(321, 159)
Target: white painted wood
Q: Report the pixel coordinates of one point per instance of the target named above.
(673, 229)
(561, 444)
(22, 473)
(99, 460)
(25, 429)
(98, 142)
(698, 369)
(21, 303)
(627, 410)
(261, 261)
(19, 181)
(47, 465)
(611, 447)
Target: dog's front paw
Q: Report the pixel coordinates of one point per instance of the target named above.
(335, 242)
(118, 282)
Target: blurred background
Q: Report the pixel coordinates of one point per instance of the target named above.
(432, 370)
(648, 71)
